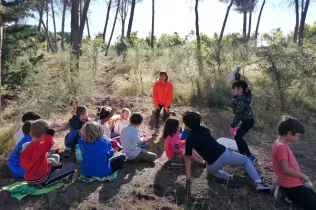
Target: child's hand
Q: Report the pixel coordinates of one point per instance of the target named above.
(144, 139)
(53, 126)
(156, 107)
(305, 178)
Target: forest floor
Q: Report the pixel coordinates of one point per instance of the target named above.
(157, 185)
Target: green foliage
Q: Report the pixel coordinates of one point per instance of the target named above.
(20, 53)
(169, 41)
(67, 36)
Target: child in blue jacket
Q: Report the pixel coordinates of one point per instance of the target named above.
(14, 158)
(97, 153)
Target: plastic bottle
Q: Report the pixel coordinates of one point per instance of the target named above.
(78, 153)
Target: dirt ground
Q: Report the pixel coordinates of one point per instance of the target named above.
(157, 185)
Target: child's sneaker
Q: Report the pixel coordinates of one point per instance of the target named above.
(263, 186)
(253, 159)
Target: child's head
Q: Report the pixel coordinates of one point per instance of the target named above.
(136, 119)
(30, 116)
(125, 114)
(82, 113)
(240, 87)
(172, 126)
(39, 128)
(191, 120)
(105, 112)
(91, 131)
(26, 128)
(163, 77)
(290, 128)
(198, 115)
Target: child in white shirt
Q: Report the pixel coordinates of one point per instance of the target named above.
(123, 121)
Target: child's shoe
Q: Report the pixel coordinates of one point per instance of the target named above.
(263, 186)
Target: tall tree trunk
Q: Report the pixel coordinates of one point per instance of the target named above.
(107, 19)
(88, 28)
(123, 17)
(40, 13)
(1, 42)
(48, 37)
(113, 28)
(75, 29)
(302, 24)
(54, 24)
(83, 20)
(152, 25)
(62, 41)
(244, 28)
(130, 23)
(249, 26)
(80, 9)
(198, 39)
(259, 18)
(224, 23)
(49, 41)
(297, 21)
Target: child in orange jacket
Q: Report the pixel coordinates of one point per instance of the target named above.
(162, 97)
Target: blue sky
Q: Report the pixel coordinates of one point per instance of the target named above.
(178, 16)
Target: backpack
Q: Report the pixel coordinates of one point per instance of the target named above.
(71, 138)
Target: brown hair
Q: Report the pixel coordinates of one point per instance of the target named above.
(91, 131)
(26, 128)
(38, 128)
(164, 73)
(81, 110)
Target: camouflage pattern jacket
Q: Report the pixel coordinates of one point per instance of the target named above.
(242, 109)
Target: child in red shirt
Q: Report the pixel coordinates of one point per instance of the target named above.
(34, 158)
(294, 184)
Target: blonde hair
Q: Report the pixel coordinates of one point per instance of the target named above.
(126, 110)
(39, 127)
(91, 131)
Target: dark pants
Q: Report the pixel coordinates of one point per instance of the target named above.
(157, 115)
(245, 126)
(301, 196)
(117, 163)
(58, 173)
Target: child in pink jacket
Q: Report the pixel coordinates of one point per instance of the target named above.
(173, 150)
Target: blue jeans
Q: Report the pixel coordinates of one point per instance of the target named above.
(232, 158)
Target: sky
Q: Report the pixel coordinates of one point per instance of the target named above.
(178, 16)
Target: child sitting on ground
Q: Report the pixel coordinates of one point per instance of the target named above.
(28, 116)
(39, 172)
(106, 123)
(123, 121)
(131, 141)
(289, 176)
(97, 152)
(216, 155)
(14, 158)
(76, 123)
(171, 135)
(185, 133)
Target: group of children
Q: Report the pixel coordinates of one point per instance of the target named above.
(100, 139)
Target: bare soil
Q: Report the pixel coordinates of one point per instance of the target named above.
(157, 185)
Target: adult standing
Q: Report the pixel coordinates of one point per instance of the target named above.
(162, 97)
